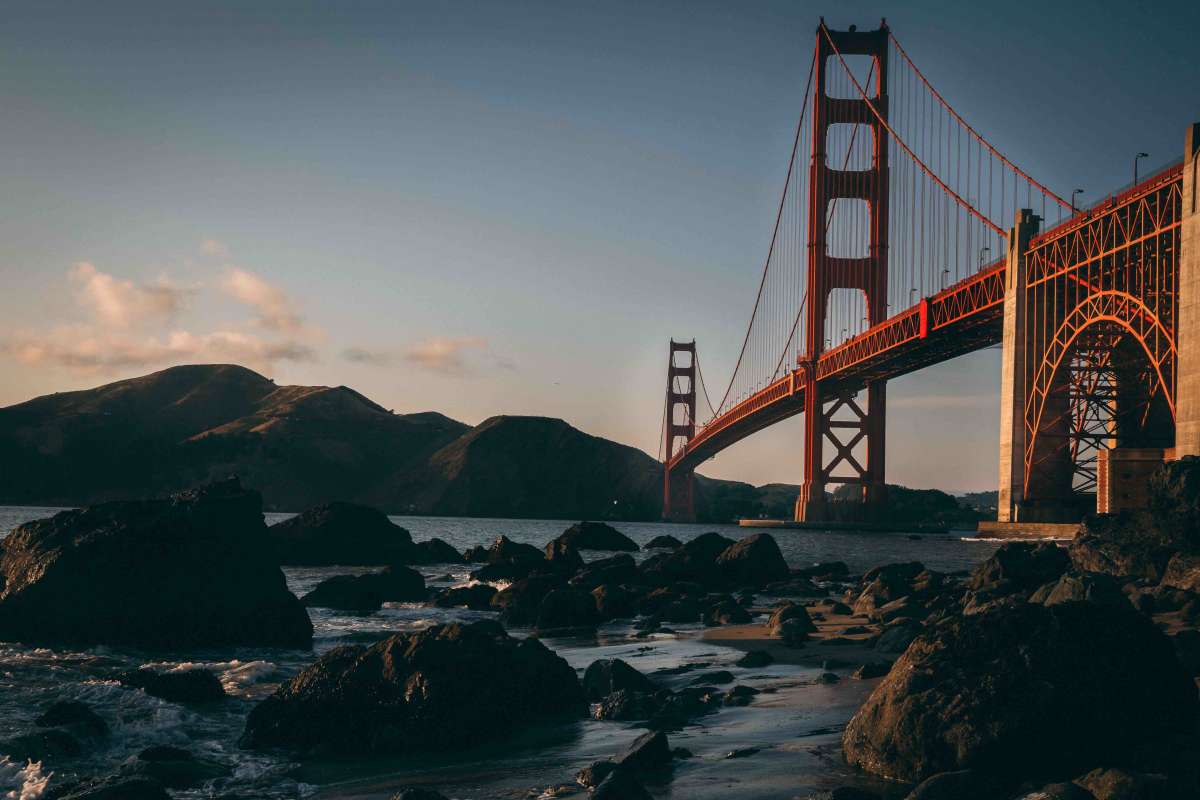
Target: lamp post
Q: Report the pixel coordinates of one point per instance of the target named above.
(1074, 209)
(1135, 165)
(945, 274)
(982, 250)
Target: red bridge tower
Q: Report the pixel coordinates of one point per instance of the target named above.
(844, 422)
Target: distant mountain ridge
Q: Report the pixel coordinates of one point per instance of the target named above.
(302, 445)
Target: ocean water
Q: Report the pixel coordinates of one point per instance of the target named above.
(795, 723)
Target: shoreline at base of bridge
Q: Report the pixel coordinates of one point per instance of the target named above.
(1056, 531)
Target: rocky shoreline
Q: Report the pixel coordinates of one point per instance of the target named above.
(1044, 673)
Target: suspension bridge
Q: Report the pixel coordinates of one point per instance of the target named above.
(904, 238)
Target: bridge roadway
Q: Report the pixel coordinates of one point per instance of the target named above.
(957, 320)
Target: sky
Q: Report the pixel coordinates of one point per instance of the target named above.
(490, 208)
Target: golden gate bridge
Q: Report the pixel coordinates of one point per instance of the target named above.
(904, 238)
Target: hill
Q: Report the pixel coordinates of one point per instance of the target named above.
(301, 445)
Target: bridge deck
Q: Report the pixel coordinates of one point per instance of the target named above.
(959, 319)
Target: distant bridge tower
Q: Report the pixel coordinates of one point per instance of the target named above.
(678, 502)
(843, 421)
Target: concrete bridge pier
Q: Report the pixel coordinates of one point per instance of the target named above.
(1187, 403)
(1015, 370)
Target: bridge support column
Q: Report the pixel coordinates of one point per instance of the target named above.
(1015, 371)
(678, 484)
(1187, 403)
(850, 424)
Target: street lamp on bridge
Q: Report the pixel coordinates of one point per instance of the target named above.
(982, 250)
(1080, 191)
(1135, 165)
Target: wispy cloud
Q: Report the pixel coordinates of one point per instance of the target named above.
(371, 358)
(443, 355)
(122, 303)
(214, 248)
(276, 311)
(85, 349)
(132, 325)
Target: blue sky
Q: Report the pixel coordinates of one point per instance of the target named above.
(484, 207)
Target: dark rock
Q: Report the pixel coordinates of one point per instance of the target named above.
(567, 608)
(789, 611)
(726, 612)
(840, 608)
(398, 584)
(901, 608)
(1183, 572)
(872, 669)
(173, 768)
(828, 677)
(178, 686)
(447, 686)
(339, 533)
(647, 753)
(607, 675)
(1175, 502)
(616, 569)
(717, 677)
(621, 785)
(596, 536)
(204, 576)
(666, 542)
(418, 793)
(695, 561)
(1050, 688)
(562, 556)
(1059, 791)
(740, 695)
(753, 561)
(895, 639)
(613, 602)
(1119, 784)
(956, 786)
(45, 745)
(882, 585)
(345, 593)
(434, 551)
(595, 773)
(627, 706)
(1092, 587)
(518, 604)
(1020, 566)
(504, 550)
(793, 632)
(73, 715)
(110, 788)
(755, 659)
(477, 597)
(846, 793)
(795, 587)
(1126, 544)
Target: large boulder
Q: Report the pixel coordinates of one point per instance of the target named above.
(1053, 689)
(189, 570)
(607, 675)
(518, 604)
(506, 560)
(596, 536)
(695, 561)
(176, 686)
(1183, 572)
(753, 561)
(340, 533)
(368, 592)
(447, 686)
(620, 568)
(434, 551)
(1128, 544)
(1013, 573)
(567, 608)
(1175, 502)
